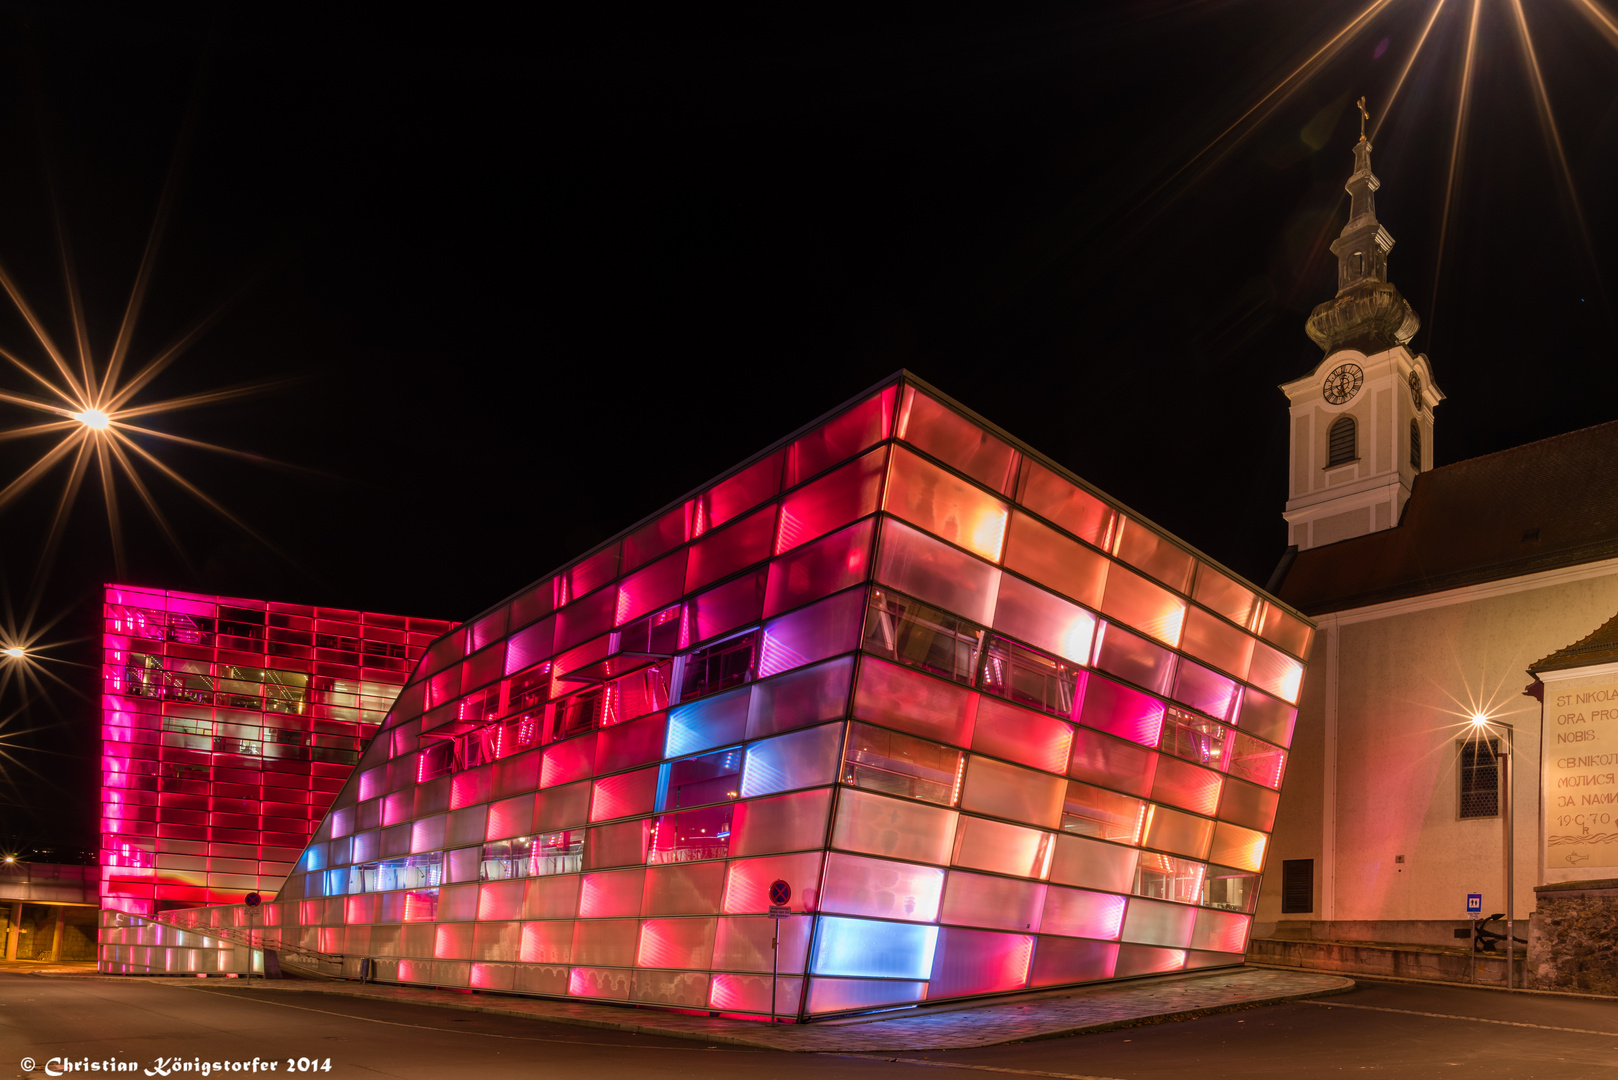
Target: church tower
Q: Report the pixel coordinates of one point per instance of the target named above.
(1362, 419)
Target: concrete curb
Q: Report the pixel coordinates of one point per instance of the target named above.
(1371, 976)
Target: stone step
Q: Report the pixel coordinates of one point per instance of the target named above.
(1431, 962)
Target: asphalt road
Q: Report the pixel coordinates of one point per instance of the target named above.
(1385, 1029)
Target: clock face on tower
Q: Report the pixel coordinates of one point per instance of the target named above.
(1343, 383)
(1415, 390)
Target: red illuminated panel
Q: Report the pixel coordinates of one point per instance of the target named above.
(664, 534)
(834, 500)
(842, 437)
(732, 497)
(649, 589)
(722, 553)
(821, 568)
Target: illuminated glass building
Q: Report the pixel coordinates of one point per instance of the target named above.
(995, 731)
(228, 727)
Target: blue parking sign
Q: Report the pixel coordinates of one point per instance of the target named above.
(1474, 905)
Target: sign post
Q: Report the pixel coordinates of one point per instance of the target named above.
(1474, 912)
(780, 898)
(253, 900)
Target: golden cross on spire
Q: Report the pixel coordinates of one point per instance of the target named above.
(1364, 116)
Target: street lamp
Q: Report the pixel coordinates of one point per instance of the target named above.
(1480, 724)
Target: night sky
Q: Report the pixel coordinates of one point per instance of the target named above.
(520, 283)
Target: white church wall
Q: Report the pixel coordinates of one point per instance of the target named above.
(1387, 698)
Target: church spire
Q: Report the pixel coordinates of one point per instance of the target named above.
(1368, 313)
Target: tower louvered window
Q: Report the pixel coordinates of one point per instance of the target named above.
(1415, 445)
(1340, 442)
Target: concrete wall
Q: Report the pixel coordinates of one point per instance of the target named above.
(1373, 773)
(50, 883)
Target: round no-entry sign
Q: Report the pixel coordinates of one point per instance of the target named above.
(253, 899)
(780, 893)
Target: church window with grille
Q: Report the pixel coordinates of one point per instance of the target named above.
(1415, 445)
(1340, 442)
(1480, 778)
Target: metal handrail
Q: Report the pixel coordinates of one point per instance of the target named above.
(252, 938)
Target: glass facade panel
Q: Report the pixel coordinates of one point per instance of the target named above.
(730, 549)
(1005, 731)
(800, 698)
(914, 563)
(895, 764)
(1101, 759)
(1002, 848)
(1106, 815)
(1118, 710)
(801, 759)
(950, 437)
(826, 566)
(882, 889)
(1039, 552)
(834, 500)
(1081, 913)
(783, 823)
(1010, 791)
(987, 901)
(1155, 554)
(730, 498)
(911, 633)
(979, 962)
(813, 633)
(881, 950)
(902, 830)
(946, 506)
(1044, 620)
(842, 437)
(896, 698)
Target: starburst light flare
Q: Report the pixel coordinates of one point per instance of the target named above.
(88, 406)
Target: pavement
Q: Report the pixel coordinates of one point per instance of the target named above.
(945, 1026)
(199, 1027)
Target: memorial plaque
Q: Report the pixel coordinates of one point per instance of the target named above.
(1581, 774)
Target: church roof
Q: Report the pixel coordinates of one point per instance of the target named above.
(1539, 506)
(1598, 647)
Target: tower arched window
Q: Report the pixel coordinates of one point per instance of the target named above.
(1340, 441)
(1415, 445)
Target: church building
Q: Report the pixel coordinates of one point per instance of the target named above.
(1435, 590)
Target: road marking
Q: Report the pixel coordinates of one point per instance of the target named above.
(966, 1065)
(484, 1034)
(1452, 1016)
